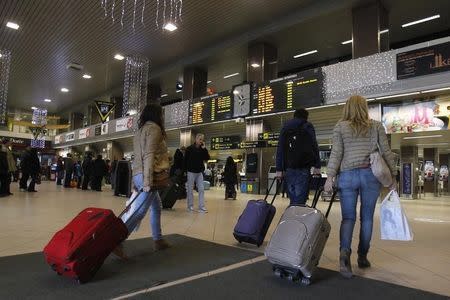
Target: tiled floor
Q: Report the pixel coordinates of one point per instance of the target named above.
(29, 220)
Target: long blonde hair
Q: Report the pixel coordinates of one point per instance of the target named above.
(356, 112)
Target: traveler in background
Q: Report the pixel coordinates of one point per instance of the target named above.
(11, 164)
(68, 166)
(59, 171)
(113, 173)
(78, 173)
(230, 178)
(297, 152)
(354, 139)
(151, 156)
(108, 171)
(88, 170)
(30, 167)
(177, 166)
(100, 171)
(194, 162)
(207, 174)
(3, 173)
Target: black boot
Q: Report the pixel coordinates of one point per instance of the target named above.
(345, 264)
(363, 262)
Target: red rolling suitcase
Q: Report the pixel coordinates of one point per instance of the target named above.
(80, 248)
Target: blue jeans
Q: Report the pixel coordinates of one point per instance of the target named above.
(143, 202)
(297, 183)
(352, 183)
(198, 179)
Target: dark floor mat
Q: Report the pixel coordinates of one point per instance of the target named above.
(29, 277)
(256, 281)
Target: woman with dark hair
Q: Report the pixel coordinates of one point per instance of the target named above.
(150, 157)
(230, 178)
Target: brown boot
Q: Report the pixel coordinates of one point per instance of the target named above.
(161, 245)
(345, 264)
(120, 252)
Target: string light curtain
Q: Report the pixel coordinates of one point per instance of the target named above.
(39, 119)
(5, 62)
(135, 84)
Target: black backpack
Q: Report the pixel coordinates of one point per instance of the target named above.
(299, 152)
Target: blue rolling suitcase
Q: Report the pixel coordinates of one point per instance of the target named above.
(255, 220)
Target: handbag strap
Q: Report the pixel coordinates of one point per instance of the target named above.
(375, 138)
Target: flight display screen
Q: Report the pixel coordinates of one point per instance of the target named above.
(288, 93)
(213, 108)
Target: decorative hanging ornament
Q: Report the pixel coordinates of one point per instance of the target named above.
(168, 12)
(5, 62)
(39, 121)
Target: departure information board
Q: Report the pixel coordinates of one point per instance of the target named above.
(288, 93)
(213, 108)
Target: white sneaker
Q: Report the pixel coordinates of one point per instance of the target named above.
(190, 209)
(203, 210)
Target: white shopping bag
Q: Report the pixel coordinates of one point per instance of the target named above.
(393, 222)
(127, 214)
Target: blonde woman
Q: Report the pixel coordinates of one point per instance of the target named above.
(354, 138)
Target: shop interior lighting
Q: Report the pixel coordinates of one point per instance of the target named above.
(12, 25)
(87, 76)
(119, 57)
(436, 90)
(398, 95)
(422, 137)
(65, 90)
(306, 53)
(47, 100)
(230, 75)
(164, 95)
(421, 21)
(170, 27)
(255, 65)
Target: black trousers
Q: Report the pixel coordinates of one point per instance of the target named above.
(4, 183)
(67, 179)
(24, 180)
(86, 179)
(97, 183)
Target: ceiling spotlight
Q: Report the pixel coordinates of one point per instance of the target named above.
(12, 25)
(33, 107)
(119, 57)
(421, 21)
(87, 76)
(255, 65)
(170, 26)
(65, 90)
(47, 100)
(306, 53)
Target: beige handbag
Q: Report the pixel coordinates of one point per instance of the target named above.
(379, 166)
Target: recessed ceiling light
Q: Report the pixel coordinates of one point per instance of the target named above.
(33, 107)
(347, 42)
(231, 75)
(47, 100)
(12, 25)
(87, 76)
(65, 90)
(384, 31)
(119, 57)
(421, 21)
(209, 81)
(170, 26)
(306, 53)
(255, 65)
(164, 95)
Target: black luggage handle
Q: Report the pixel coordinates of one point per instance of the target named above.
(276, 192)
(333, 197)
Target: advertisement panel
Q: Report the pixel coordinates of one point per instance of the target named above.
(407, 179)
(104, 129)
(84, 133)
(124, 124)
(70, 136)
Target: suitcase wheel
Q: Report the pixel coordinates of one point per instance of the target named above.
(305, 281)
(278, 273)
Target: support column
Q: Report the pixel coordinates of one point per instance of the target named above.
(444, 160)
(431, 154)
(409, 171)
(262, 62)
(76, 120)
(194, 83)
(113, 151)
(368, 21)
(187, 137)
(153, 93)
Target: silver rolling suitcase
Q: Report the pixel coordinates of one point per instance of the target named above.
(298, 241)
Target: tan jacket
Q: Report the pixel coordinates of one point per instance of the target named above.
(350, 151)
(10, 158)
(150, 152)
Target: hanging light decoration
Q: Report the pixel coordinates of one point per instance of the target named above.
(167, 13)
(135, 84)
(5, 62)
(39, 120)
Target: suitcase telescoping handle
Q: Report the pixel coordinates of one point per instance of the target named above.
(127, 208)
(277, 189)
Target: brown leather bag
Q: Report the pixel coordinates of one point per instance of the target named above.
(161, 180)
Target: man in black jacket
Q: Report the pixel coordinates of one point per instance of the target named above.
(100, 171)
(194, 163)
(88, 170)
(30, 167)
(68, 166)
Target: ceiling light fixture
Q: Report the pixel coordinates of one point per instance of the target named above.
(170, 27)
(179, 91)
(231, 75)
(235, 92)
(33, 107)
(399, 95)
(164, 95)
(87, 76)
(255, 65)
(347, 42)
(47, 100)
(209, 81)
(421, 21)
(306, 53)
(65, 90)
(436, 90)
(422, 137)
(12, 25)
(0, 55)
(384, 31)
(119, 57)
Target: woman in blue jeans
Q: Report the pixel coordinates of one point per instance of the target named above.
(355, 137)
(151, 156)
